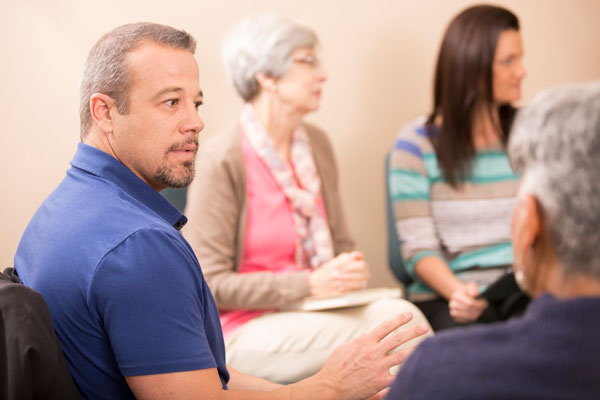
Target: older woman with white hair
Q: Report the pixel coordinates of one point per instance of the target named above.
(265, 216)
(552, 352)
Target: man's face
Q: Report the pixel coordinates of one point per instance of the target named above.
(158, 139)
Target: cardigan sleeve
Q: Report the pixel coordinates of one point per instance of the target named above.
(216, 225)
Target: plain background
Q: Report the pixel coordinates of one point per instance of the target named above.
(379, 55)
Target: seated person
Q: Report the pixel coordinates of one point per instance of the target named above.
(126, 293)
(551, 352)
(265, 215)
(452, 186)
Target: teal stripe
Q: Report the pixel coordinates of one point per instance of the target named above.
(418, 287)
(408, 185)
(403, 171)
(432, 167)
(489, 256)
(410, 264)
(487, 167)
(409, 197)
(492, 179)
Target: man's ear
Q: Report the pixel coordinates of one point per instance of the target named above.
(100, 107)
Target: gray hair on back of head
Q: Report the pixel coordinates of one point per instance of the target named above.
(106, 68)
(262, 43)
(555, 142)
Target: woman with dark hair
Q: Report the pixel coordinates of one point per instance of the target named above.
(451, 183)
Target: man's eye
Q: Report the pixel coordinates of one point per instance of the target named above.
(172, 102)
(197, 104)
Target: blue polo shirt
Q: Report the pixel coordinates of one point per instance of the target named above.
(125, 290)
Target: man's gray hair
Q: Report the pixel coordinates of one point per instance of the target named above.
(555, 142)
(262, 43)
(106, 68)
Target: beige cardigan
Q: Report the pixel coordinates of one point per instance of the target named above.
(216, 211)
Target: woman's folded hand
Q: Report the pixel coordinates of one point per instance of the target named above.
(346, 272)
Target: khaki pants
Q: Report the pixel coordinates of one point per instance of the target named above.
(286, 347)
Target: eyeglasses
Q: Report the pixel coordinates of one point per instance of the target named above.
(309, 60)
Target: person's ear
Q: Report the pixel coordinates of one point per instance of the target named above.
(100, 108)
(527, 221)
(266, 82)
(527, 227)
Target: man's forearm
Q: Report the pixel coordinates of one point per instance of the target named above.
(241, 381)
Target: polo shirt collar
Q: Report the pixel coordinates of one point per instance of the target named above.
(96, 162)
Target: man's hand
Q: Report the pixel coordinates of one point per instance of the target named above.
(356, 370)
(464, 305)
(361, 367)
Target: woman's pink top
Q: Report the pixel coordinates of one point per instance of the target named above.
(270, 242)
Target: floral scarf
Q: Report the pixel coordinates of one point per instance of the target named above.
(314, 246)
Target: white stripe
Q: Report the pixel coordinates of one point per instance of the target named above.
(417, 234)
(463, 224)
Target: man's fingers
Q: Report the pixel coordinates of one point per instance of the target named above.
(386, 327)
(399, 357)
(402, 336)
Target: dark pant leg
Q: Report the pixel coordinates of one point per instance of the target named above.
(438, 314)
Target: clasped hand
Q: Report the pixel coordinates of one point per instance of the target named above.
(464, 304)
(346, 272)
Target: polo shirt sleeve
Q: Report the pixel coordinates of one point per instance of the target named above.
(149, 295)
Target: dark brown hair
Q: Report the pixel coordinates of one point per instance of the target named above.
(463, 82)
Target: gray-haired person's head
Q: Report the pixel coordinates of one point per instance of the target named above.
(106, 68)
(555, 141)
(262, 43)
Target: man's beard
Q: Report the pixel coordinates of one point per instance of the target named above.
(170, 176)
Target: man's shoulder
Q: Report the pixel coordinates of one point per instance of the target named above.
(83, 219)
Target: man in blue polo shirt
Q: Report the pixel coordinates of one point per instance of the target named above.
(125, 290)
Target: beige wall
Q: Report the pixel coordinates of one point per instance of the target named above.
(379, 55)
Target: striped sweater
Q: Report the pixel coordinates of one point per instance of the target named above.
(467, 227)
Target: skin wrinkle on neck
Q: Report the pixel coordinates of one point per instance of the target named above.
(278, 124)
